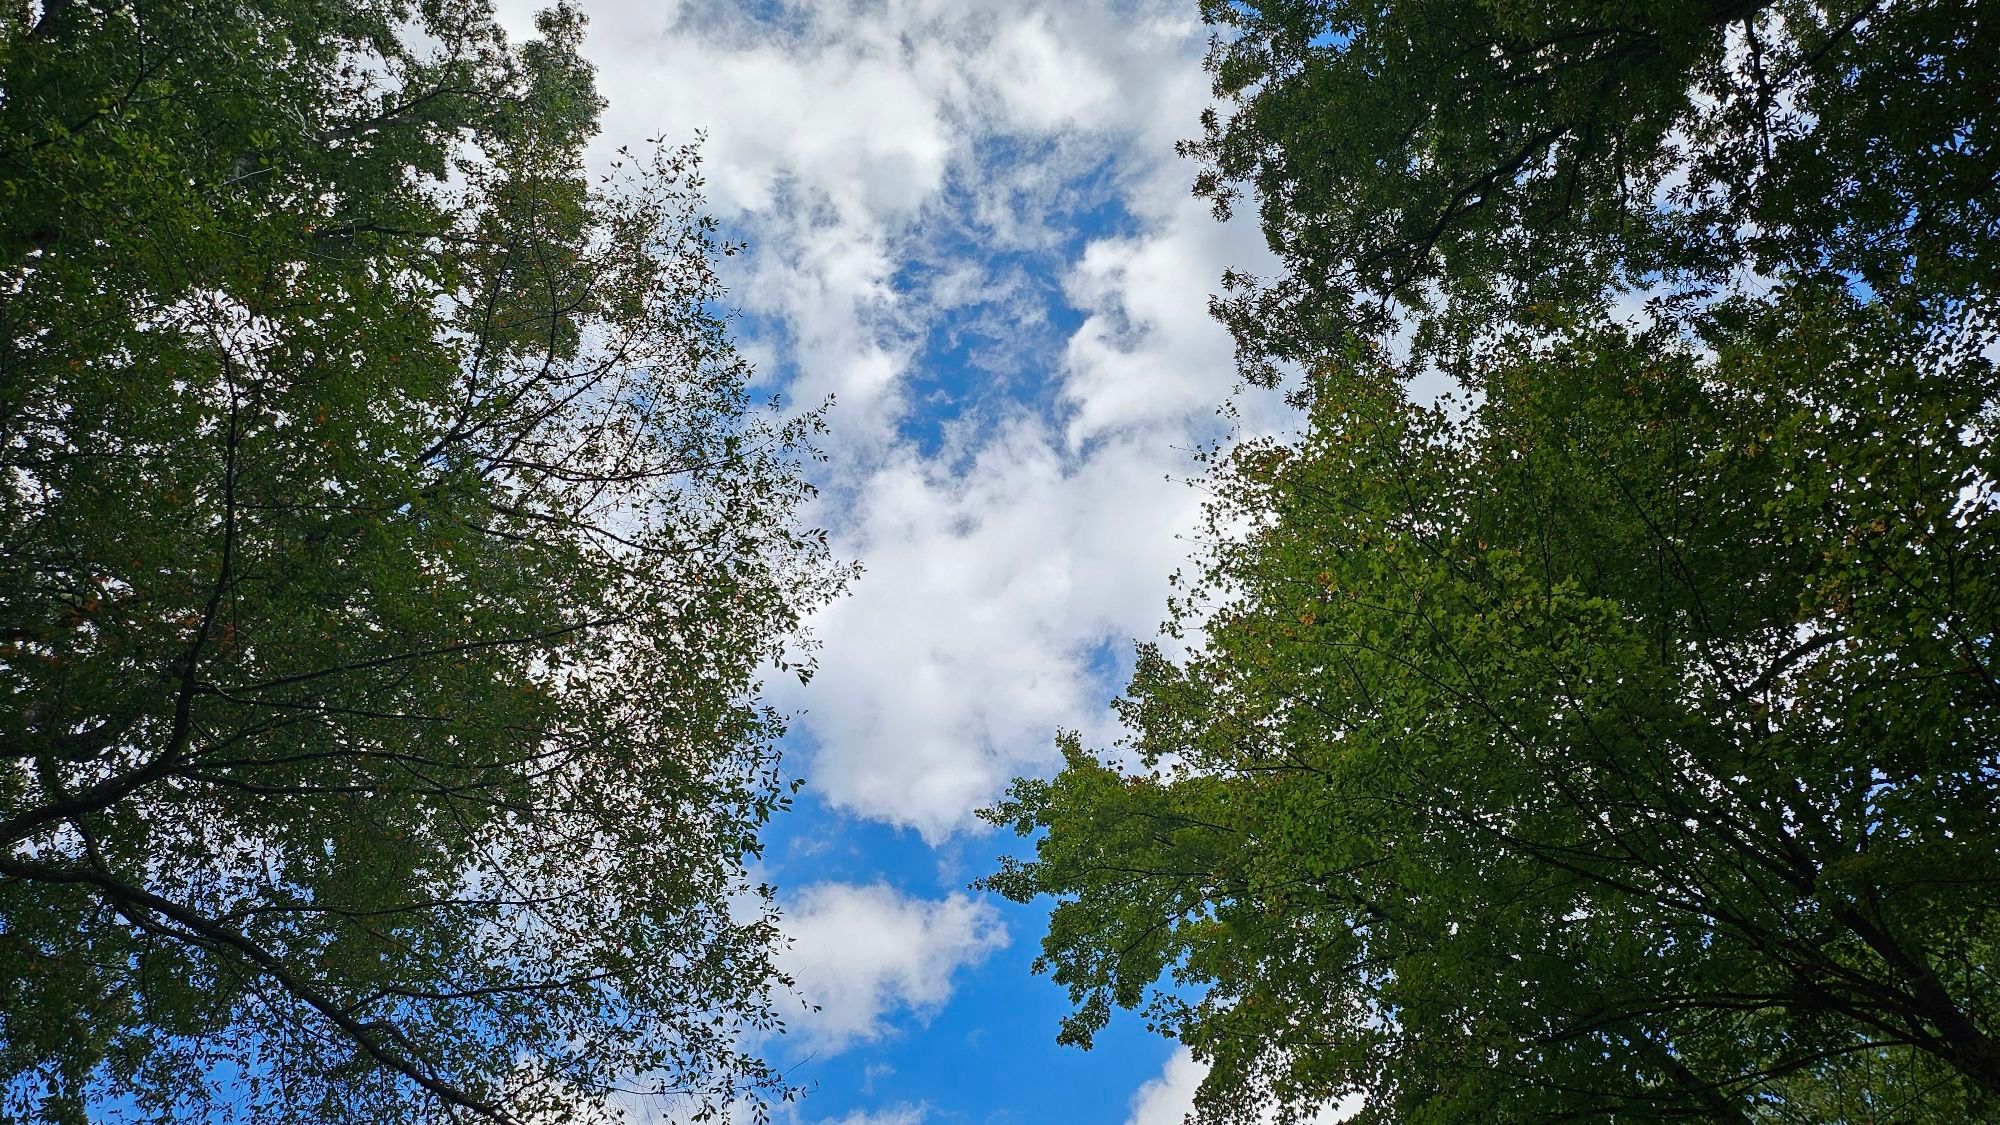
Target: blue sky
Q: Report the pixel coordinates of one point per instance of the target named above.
(966, 222)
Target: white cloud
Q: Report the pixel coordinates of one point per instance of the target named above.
(901, 1115)
(869, 955)
(989, 593)
(849, 102)
(878, 155)
(1147, 352)
(998, 570)
(1168, 1099)
(835, 126)
(1043, 82)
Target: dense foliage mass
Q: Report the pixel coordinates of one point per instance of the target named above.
(388, 547)
(1615, 739)
(1459, 164)
(1621, 747)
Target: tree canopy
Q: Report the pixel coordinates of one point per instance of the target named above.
(1621, 748)
(1615, 738)
(1462, 165)
(390, 545)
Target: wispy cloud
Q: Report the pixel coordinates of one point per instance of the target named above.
(966, 222)
(868, 956)
(902, 1115)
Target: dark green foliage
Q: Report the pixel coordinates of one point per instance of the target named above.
(1623, 748)
(1471, 162)
(388, 545)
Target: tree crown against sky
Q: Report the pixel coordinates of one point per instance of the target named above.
(392, 547)
(1617, 744)
(1466, 165)
(1621, 748)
